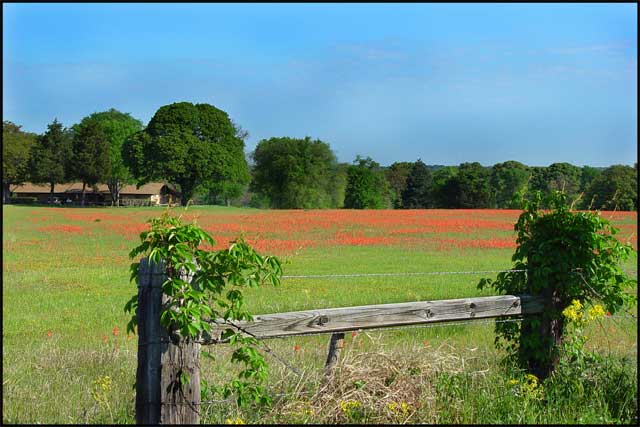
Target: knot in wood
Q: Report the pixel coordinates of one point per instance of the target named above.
(322, 320)
(471, 307)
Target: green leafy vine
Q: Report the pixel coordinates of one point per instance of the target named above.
(204, 288)
(569, 256)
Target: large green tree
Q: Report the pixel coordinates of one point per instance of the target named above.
(90, 160)
(445, 187)
(564, 177)
(16, 152)
(473, 189)
(237, 173)
(587, 175)
(556, 177)
(295, 173)
(397, 175)
(367, 186)
(418, 192)
(190, 145)
(51, 157)
(507, 179)
(117, 128)
(615, 188)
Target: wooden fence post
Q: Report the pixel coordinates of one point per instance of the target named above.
(159, 397)
(335, 346)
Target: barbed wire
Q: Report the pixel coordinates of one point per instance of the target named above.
(421, 273)
(426, 273)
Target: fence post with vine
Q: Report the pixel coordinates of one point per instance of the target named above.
(568, 255)
(183, 291)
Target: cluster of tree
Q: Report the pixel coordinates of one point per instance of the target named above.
(191, 146)
(285, 177)
(200, 150)
(89, 151)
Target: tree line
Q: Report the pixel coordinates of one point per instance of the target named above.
(201, 151)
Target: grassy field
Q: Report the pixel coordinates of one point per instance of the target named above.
(65, 281)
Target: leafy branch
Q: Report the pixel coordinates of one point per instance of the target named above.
(203, 287)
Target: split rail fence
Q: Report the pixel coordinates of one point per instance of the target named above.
(161, 362)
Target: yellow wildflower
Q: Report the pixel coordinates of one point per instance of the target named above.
(595, 312)
(573, 312)
(234, 421)
(531, 387)
(349, 405)
(104, 383)
(404, 407)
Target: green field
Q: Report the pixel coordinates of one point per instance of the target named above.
(65, 282)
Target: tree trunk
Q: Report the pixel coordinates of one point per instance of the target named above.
(6, 192)
(84, 184)
(52, 185)
(114, 190)
(184, 198)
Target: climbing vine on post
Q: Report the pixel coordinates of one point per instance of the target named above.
(568, 256)
(213, 293)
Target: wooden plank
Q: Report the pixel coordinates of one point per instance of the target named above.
(343, 319)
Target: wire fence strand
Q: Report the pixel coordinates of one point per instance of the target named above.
(425, 273)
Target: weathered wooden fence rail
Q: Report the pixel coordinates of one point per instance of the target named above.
(159, 399)
(344, 319)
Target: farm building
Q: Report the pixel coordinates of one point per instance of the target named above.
(154, 193)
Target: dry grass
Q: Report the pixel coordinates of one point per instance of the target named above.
(376, 386)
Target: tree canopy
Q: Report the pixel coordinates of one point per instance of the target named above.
(418, 191)
(367, 187)
(51, 156)
(445, 187)
(508, 178)
(90, 159)
(189, 145)
(117, 128)
(615, 188)
(472, 187)
(296, 173)
(16, 152)
(397, 175)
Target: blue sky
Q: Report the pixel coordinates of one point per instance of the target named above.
(447, 83)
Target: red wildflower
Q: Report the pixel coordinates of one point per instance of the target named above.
(104, 339)
(608, 313)
(115, 331)
(353, 334)
(296, 348)
(49, 333)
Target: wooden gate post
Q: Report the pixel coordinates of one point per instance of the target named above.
(159, 397)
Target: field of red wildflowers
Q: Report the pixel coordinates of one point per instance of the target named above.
(286, 231)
